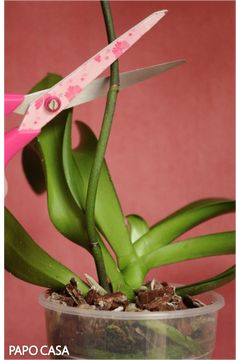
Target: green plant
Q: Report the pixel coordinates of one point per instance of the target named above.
(84, 207)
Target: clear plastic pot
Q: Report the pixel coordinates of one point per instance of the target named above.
(93, 334)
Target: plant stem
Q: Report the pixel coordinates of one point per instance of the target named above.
(111, 36)
(100, 153)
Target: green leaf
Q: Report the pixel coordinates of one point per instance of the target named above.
(197, 247)
(179, 222)
(114, 274)
(29, 262)
(108, 214)
(66, 216)
(137, 226)
(72, 172)
(207, 285)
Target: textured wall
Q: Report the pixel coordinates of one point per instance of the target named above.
(172, 139)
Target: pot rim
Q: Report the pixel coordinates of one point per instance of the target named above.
(216, 299)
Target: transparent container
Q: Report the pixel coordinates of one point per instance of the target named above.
(94, 334)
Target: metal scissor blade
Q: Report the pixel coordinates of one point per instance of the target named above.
(99, 87)
(29, 98)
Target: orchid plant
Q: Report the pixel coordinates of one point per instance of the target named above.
(84, 207)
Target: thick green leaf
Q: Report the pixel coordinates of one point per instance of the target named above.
(29, 262)
(31, 159)
(179, 222)
(197, 247)
(108, 214)
(72, 172)
(137, 226)
(66, 216)
(113, 273)
(209, 284)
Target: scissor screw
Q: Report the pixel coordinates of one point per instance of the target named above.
(52, 103)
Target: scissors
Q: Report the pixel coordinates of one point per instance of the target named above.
(41, 107)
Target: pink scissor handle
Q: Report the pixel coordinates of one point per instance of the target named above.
(15, 140)
(11, 101)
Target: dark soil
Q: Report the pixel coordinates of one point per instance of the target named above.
(153, 296)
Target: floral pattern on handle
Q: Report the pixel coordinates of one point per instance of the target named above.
(39, 102)
(119, 48)
(98, 58)
(72, 91)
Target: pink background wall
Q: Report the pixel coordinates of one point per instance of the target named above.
(172, 140)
